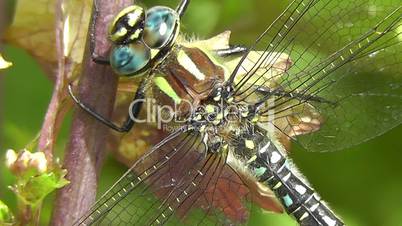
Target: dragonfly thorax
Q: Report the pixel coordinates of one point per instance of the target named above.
(223, 123)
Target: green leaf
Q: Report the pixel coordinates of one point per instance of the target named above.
(6, 217)
(33, 29)
(38, 187)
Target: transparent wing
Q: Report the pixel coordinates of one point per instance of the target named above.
(174, 184)
(329, 72)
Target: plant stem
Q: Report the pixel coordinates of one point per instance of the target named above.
(85, 150)
(28, 215)
(56, 109)
(2, 28)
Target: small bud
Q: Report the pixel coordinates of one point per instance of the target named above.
(4, 64)
(11, 157)
(38, 161)
(24, 158)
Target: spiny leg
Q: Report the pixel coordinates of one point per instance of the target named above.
(283, 93)
(182, 7)
(129, 122)
(232, 51)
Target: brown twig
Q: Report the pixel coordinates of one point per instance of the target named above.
(85, 150)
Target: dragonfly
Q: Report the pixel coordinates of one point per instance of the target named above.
(244, 106)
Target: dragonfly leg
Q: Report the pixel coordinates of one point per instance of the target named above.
(232, 50)
(182, 7)
(92, 39)
(129, 122)
(300, 96)
(299, 200)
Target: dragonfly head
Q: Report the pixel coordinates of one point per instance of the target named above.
(135, 33)
(161, 27)
(128, 25)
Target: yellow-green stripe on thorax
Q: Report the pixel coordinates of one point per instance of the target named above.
(190, 72)
(164, 86)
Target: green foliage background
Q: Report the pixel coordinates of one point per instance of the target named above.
(362, 184)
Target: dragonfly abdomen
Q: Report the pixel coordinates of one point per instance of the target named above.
(272, 168)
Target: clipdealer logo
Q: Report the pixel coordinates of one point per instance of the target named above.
(164, 115)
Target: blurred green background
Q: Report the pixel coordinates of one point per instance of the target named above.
(362, 184)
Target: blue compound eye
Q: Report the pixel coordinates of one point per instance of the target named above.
(159, 26)
(128, 59)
